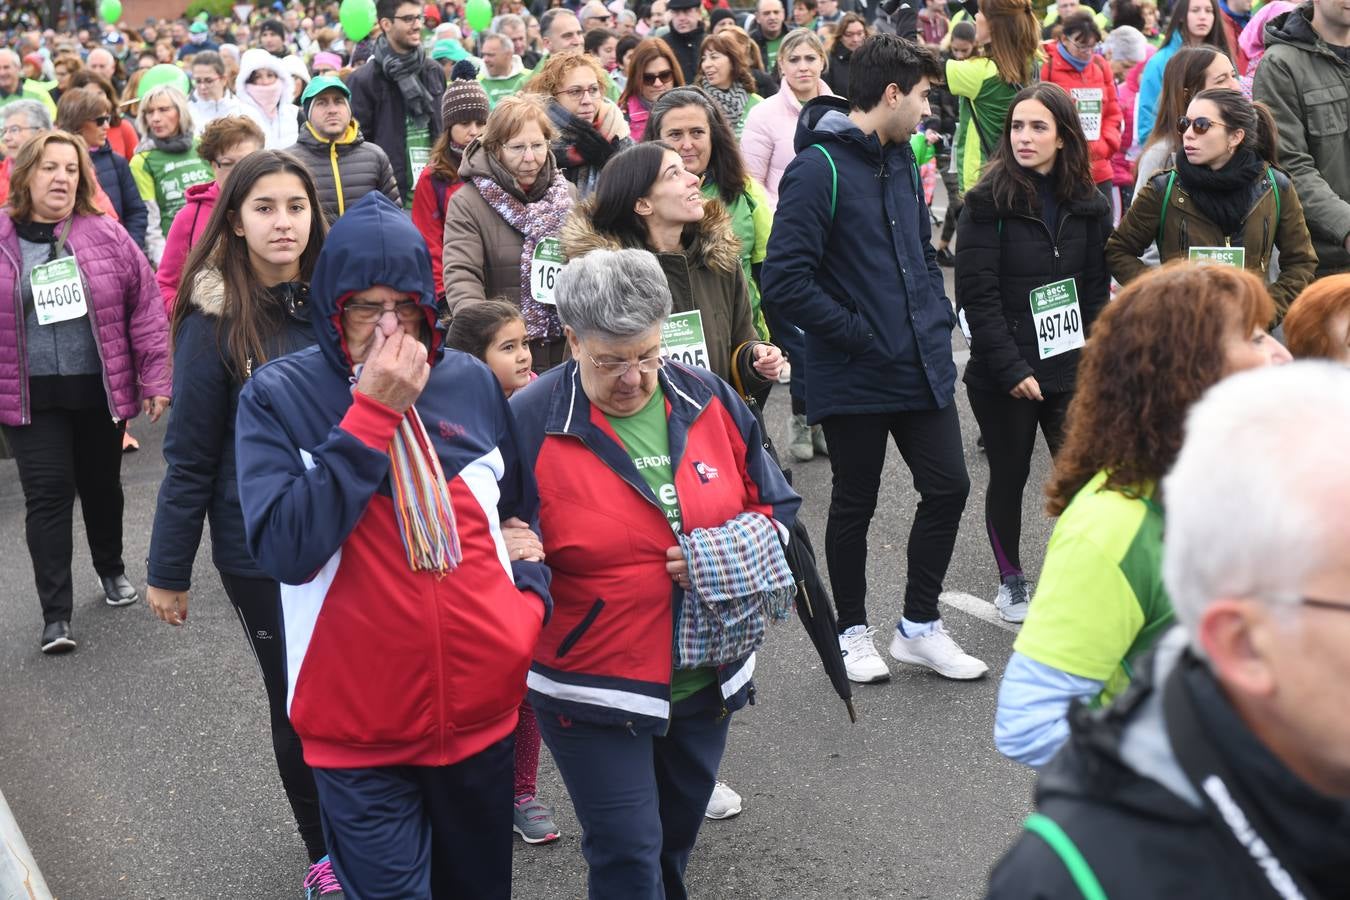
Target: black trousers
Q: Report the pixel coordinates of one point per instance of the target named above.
(1009, 429)
(257, 601)
(63, 454)
(954, 201)
(930, 444)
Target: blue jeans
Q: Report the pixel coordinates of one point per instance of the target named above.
(640, 798)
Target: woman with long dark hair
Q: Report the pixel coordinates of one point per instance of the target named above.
(245, 300)
(1101, 604)
(1031, 279)
(1224, 201)
(647, 199)
(652, 69)
(1189, 71)
(1192, 23)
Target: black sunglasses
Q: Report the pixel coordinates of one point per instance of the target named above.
(651, 78)
(101, 120)
(1201, 124)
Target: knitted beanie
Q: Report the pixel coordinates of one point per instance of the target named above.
(464, 99)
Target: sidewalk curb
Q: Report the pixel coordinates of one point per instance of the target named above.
(20, 878)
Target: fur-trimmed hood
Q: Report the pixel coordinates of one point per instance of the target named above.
(711, 242)
(208, 291)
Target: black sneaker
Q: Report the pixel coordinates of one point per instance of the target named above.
(946, 258)
(118, 591)
(56, 638)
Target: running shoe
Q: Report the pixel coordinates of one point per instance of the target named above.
(936, 650)
(321, 882)
(533, 821)
(56, 638)
(861, 660)
(724, 802)
(1014, 599)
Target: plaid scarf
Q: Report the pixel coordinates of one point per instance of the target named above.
(540, 219)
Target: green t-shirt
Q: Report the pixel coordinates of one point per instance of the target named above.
(647, 440)
(771, 50)
(1101, 601)
(497, 88)
(984, 99)
(163, 179)
(419, 154)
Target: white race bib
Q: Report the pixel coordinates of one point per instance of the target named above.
(546, 264)
(1057, 318)
(1089, 103)
(1219, 256)
(58, 293)
(682, 339)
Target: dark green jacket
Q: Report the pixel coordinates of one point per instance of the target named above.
(1185, 227)
(1307, 87)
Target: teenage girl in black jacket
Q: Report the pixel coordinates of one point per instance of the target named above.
(1031, 277)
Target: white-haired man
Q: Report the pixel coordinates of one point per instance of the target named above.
(1225, 770)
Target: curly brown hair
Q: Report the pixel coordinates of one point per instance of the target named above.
(1153, 352)
(1307, 328)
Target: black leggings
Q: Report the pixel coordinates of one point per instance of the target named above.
(954, 201)
(1009, 429)
(258, 603)
(930, 444)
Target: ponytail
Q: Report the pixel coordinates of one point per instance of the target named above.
(1260, 134)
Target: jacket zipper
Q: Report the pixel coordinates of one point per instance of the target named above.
(25, 416)
(98, 346)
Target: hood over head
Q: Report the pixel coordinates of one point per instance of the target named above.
(374, 243)
(257, 58)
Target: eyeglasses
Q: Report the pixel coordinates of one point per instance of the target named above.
(646, 365)
(411, 19)
(519, 150)
(1325, 604)
(101, 121)
(18, 129)
(370, 313)
(576, 93)
(1201, 124)
(1087, 45)
(652, 78)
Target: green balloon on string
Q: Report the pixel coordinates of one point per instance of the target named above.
(357, 18)
(110, 11)
(478, 13)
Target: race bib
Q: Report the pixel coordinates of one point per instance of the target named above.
(1089, 103)
(1057, 318)
(58, 293)
(546, 264)
(682, 339)
(1220, 256)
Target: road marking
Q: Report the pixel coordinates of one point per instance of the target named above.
(980, 609)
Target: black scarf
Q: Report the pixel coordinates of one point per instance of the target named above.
(579, 143)
(405, 70)
(1223, 195)
(36, 232)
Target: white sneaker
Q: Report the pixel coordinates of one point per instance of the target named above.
(724, 802)
(1013, 600)
(861, 660)
(936, 650)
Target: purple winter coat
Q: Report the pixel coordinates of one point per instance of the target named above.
(132, 333)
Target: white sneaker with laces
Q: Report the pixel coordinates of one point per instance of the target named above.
(936, 650)
(1013, 600)
(724, 802)
(861, 660)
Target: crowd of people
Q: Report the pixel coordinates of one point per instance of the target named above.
(468, 329)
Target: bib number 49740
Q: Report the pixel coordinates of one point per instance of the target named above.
(1058, 318)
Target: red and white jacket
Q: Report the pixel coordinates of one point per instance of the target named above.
(606, 654)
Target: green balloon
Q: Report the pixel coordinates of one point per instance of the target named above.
(161, 75)
(478, 13)
(110, 11)
(357, 18)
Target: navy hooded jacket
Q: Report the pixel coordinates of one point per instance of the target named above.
(387, 665)
(855, 269)
(114, 176)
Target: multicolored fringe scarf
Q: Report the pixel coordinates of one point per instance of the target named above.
(426, 517)
(540, 219)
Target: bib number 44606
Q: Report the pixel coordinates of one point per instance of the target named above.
(58, 293)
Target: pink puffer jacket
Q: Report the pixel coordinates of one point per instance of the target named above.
(766, 140)
(130, 329)
(187, 226)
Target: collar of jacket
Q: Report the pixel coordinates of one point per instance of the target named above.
(570, 412)
(712, 244)
(351, 136)
(1295, 28)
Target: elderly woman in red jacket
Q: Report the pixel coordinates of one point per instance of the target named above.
(1074, 65)
(83, 348)
(645, 466)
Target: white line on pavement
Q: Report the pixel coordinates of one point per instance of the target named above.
(974, 606)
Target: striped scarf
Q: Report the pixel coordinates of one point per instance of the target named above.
(426, 517)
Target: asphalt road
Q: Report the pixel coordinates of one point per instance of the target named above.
(141, 766)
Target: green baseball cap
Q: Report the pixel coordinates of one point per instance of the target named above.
(448, 49)
(320, 84)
